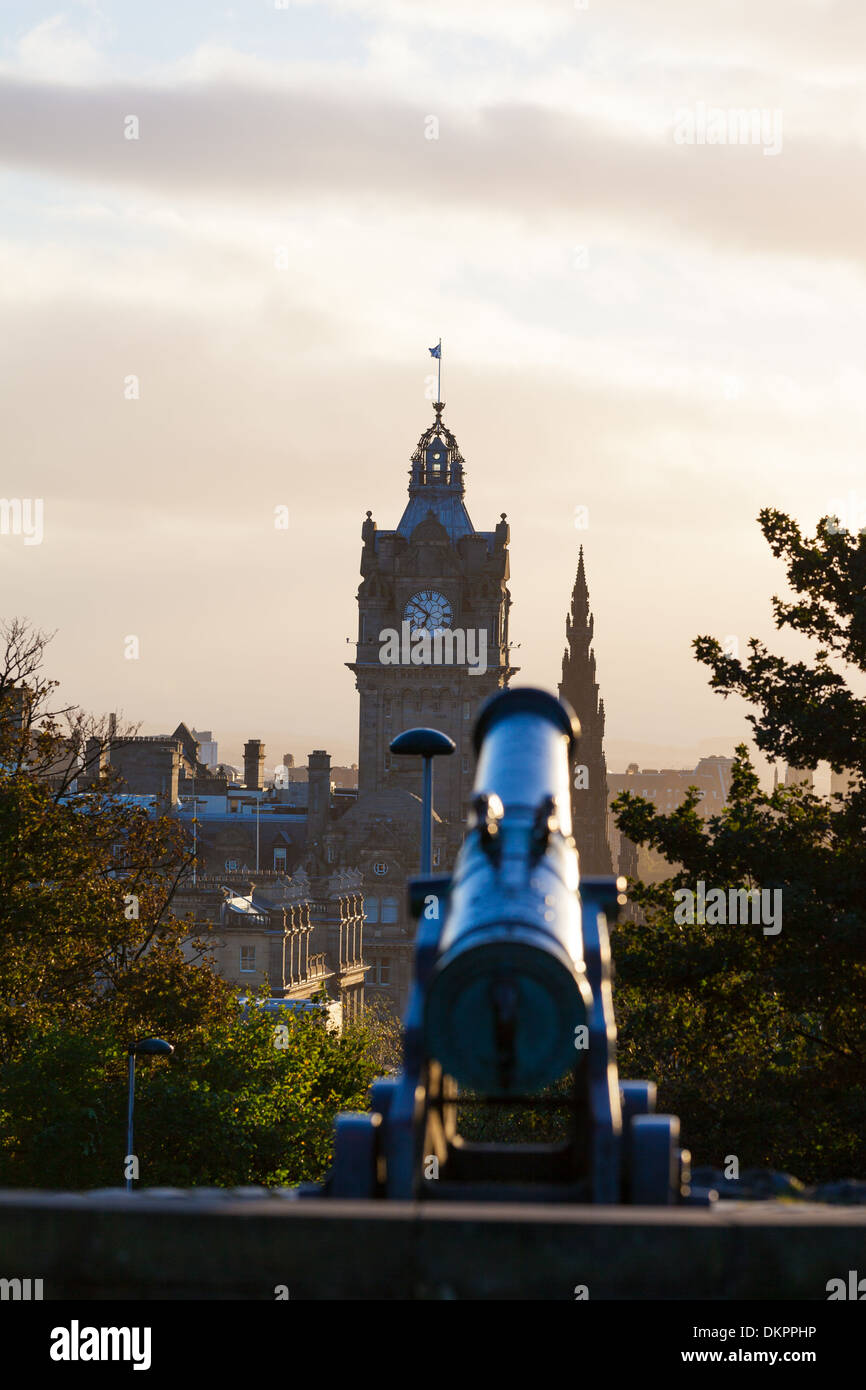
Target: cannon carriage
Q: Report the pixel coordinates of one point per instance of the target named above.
(512, 993)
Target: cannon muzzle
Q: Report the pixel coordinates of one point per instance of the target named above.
(508, 990)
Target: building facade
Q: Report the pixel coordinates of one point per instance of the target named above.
(297, 938)
(432, 646)
(666, 789)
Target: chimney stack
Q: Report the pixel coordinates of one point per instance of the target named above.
(319, 794)
(254, 765)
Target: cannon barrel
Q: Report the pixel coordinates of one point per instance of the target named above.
(508, 989)
(511, 991)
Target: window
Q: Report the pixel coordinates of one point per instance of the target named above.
(389, 909)
(248, 960)
(231, 866)
(380, 868)
(381, 971)
(465, 762)
(331, 854)
(387, 762)
(467, 713)
(437, 857)
(280, 861)
(371, 909)
(387, 709)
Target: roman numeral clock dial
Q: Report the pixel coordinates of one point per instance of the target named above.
(428, 609)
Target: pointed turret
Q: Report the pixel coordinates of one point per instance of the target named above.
(436, 482)
(589, 796)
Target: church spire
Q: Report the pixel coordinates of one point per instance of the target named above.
(580, 688)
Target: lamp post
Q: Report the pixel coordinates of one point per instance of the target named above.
(426, 744)
(148, 1047)
(194, 834)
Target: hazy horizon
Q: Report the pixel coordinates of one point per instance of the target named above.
(664, 333)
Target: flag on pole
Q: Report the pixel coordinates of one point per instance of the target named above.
(437, 353)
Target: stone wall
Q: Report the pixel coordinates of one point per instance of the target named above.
(211, 1244)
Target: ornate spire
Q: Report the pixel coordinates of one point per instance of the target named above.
(436, 481)
(580, 687)
(437, 457)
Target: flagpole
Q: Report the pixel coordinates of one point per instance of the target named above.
(439, 388)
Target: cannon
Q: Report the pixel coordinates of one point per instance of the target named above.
(512, 995)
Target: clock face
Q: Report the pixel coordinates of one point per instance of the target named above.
(428, 609)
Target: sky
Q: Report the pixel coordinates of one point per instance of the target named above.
(231, 313)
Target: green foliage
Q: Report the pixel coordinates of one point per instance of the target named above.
(72, 873)
(759, 1041)
(379, 1031)
(539, 1121)
(230, 1107)
(92, 958)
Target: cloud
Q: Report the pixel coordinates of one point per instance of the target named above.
(232, 141)
(54, 51)
(688, 373)
(518, 24)
(829, 33)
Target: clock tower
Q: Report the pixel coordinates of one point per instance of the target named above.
(432, 632)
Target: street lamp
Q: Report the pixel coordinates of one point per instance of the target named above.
(426, 744)
(148, 1047)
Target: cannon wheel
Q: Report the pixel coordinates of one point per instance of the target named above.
(637, 1098)
(654, 1160)
(354, 1170)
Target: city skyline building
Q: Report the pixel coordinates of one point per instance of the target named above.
(579, 686)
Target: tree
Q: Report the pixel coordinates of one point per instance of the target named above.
(380, 1031)
(236, 1104)
(92, 957)
(758, 1037)
(86, 877)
